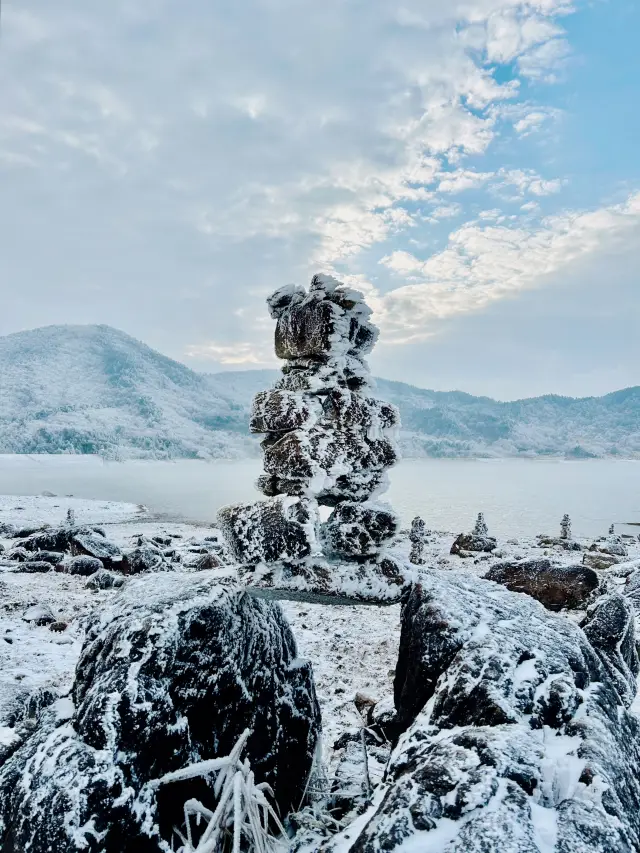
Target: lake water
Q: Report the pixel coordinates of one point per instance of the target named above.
(519, 497)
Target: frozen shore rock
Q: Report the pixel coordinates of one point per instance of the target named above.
(517, 736)
(171, 673)
(556, 586)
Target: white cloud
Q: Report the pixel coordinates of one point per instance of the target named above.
(445, 211)
(483, 264)
(528, 181)
(463, 179)
(262, 139)
(239, 353)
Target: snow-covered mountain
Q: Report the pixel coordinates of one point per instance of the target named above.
(93, 389)
(454, 424)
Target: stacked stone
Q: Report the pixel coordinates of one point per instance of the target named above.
(328, 442)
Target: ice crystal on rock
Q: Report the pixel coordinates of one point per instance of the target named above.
(327, 442)
(171, 674)
(517, 734)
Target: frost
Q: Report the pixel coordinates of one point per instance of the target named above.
(327, 443)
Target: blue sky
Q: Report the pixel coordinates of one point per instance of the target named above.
(471, 166)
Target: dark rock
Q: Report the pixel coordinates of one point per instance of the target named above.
(525, 728)
(359, 529)
(161, 540)
(471, 542)
(268, 531)
(143, 559)
(58, 627)
(52, 539)
(104, 579)
(53, 557)
(346, 410)
(299, 455)
(171, 673)
(555, 586)
(206, 561)
(92, 544)
(2, 548)
(84, 566)
(610, 628)
(280, 411)
(306, 329)
(34, 566)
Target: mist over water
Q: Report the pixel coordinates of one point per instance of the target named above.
(519, 497)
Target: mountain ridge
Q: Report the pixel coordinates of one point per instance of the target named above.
(96, 389)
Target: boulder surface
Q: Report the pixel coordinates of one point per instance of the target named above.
(171, 673)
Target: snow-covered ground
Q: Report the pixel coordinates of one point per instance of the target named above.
(352, 648)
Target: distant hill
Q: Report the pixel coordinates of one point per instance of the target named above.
(93, 389)
(455, 424)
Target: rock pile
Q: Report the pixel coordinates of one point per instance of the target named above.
(328, 443)
(417, 537)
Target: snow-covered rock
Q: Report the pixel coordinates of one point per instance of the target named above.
(556, 586)
(359, 529)
(517, 737)
(283, 528)
(327, 444)
(467, 543)
(83, 565)
(171, 672)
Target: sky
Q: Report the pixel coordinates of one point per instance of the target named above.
(471, 166)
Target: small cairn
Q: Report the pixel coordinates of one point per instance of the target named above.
(565, 527)
(327, 443)
(478, 541)
(417, 537)
(480, 527)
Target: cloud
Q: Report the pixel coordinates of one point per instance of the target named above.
(214, 154)
(239, 353)
(483, 264)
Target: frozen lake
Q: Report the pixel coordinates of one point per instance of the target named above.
(519, 497)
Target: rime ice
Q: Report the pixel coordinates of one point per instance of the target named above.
(328, 442)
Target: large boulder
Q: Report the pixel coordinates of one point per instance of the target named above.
(471, 543)
(517, 738)
(610, 628)
(269, 531)
(557, 587)
(360, 529)
(171, 673)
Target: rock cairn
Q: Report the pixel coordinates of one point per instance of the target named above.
(417, 538)
(327, 443)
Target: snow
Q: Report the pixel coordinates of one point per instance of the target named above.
(94, 389)
(353, 648)
(19, 509)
